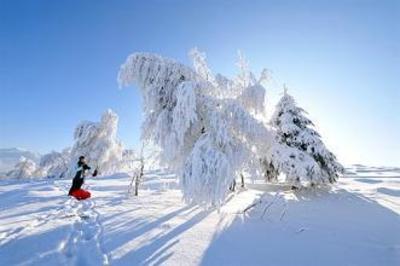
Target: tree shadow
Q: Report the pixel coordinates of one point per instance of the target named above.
(36, 212)
(389, 191)
(24, 197)
(158, 244)
(318, 227)
(32, 250)
(368, 181)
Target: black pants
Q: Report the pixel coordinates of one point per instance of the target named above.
(77, 183)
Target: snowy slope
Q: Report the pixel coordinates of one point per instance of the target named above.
(357, 223)
(10, 156)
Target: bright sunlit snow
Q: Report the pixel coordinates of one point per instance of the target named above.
(357, 223)
(216, 133)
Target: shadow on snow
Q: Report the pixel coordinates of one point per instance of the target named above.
(327, 228)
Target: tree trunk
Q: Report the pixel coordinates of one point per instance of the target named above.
(242, 180)
(139, 177)
(232, 187)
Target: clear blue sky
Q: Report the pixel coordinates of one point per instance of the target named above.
(341, 60)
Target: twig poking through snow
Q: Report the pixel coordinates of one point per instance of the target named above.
(300, 230)
(283, 213)
(251, 206)
(270, 204)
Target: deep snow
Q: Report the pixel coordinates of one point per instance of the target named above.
(356, 223)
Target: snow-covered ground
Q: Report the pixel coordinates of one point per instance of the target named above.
(356, 223)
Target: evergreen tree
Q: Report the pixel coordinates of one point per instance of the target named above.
(295, 130)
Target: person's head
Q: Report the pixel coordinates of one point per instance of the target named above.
(81, 159)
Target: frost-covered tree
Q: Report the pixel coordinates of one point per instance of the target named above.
(210, 128)
(200, 65)
(297, 131)
(25, 168)
(98, 142)
(55, 164)
(299, 169)
(206, 135)
(270, 171)
(129, 160)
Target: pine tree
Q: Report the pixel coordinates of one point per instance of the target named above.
(295, 130)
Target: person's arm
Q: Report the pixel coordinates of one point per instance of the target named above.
(86, 167)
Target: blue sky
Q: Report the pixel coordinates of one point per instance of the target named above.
(341, 60)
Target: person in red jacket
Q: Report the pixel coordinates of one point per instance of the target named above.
(76, 188)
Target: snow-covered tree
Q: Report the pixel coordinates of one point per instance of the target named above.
(98, 142)
(200, 65)
(25, 168)
(205, 134)
(55, 164)
(297, 131)
(129, 160)
(270, 171)
(299, 169)
(210, 128)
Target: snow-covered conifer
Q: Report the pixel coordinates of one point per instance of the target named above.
(297, 131)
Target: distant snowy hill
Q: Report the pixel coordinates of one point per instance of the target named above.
(10, 156)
